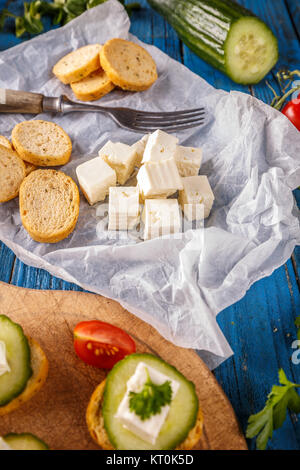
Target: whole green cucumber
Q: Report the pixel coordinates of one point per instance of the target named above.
(224, 34)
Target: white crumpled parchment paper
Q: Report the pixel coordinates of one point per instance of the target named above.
(252, 159)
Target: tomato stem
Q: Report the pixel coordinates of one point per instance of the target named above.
(282, 76)
(280, 102)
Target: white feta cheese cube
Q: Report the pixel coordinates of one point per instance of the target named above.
(154, 196)
(161, 217)
(123, 209)
(139, 147)
(120, 157)
(159, 178)
(95, 177)
(188, 160)
(196, 198)
(4, 366)
(160, 146)
(149, 429)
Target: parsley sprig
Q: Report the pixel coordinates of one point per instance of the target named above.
(150, 400)
(282, 398)
(60, 11)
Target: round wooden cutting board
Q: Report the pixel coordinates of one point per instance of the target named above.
(57, 413)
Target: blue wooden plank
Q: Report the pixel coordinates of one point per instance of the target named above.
(7, 259)
(27, 276)
(293, 9)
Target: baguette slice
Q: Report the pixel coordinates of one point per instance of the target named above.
(49, 205)
(40, 366)
(128, 65)
(29, 167)
(78, 64)
(42, 143)
(12, 173)
(95, 423)
(5, 142)
(93, 87)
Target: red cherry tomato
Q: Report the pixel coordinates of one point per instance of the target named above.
(292, 111)
(100, 344)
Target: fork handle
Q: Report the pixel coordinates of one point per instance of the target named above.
(13, 101)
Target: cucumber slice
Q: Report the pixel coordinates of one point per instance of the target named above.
(24, 441)
(181, 418)
(250, 50)
(18, 357)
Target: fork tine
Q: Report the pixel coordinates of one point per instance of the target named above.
(170, 128)
(169, 124)
(176, 120)
(168, 113)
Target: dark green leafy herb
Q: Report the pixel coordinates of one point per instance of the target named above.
(282, 398)
(151, 399)
(60, 11)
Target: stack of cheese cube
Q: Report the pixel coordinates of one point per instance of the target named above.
(164, 168)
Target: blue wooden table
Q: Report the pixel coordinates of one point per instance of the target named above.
(260, 328)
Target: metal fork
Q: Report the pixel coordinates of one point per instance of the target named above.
(12, 101)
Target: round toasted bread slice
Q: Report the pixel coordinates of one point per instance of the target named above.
(128, 65)
(93, 87)
(42, 143)
(29, 167)
(12, 173)
(95, 423)
(5, 142)
(49, 205)
(40, 366)
(78, 64)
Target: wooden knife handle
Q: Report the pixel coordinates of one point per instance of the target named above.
(13, 101)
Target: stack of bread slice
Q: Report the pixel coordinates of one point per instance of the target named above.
(48, 199)
(94, 70)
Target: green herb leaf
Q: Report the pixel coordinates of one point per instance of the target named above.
(5, 14)
(20, 26)
(74, 8)
(281, 398)
(61, 12)
(94, 3)
(151, 399)
(32, 18)
(266, 432)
